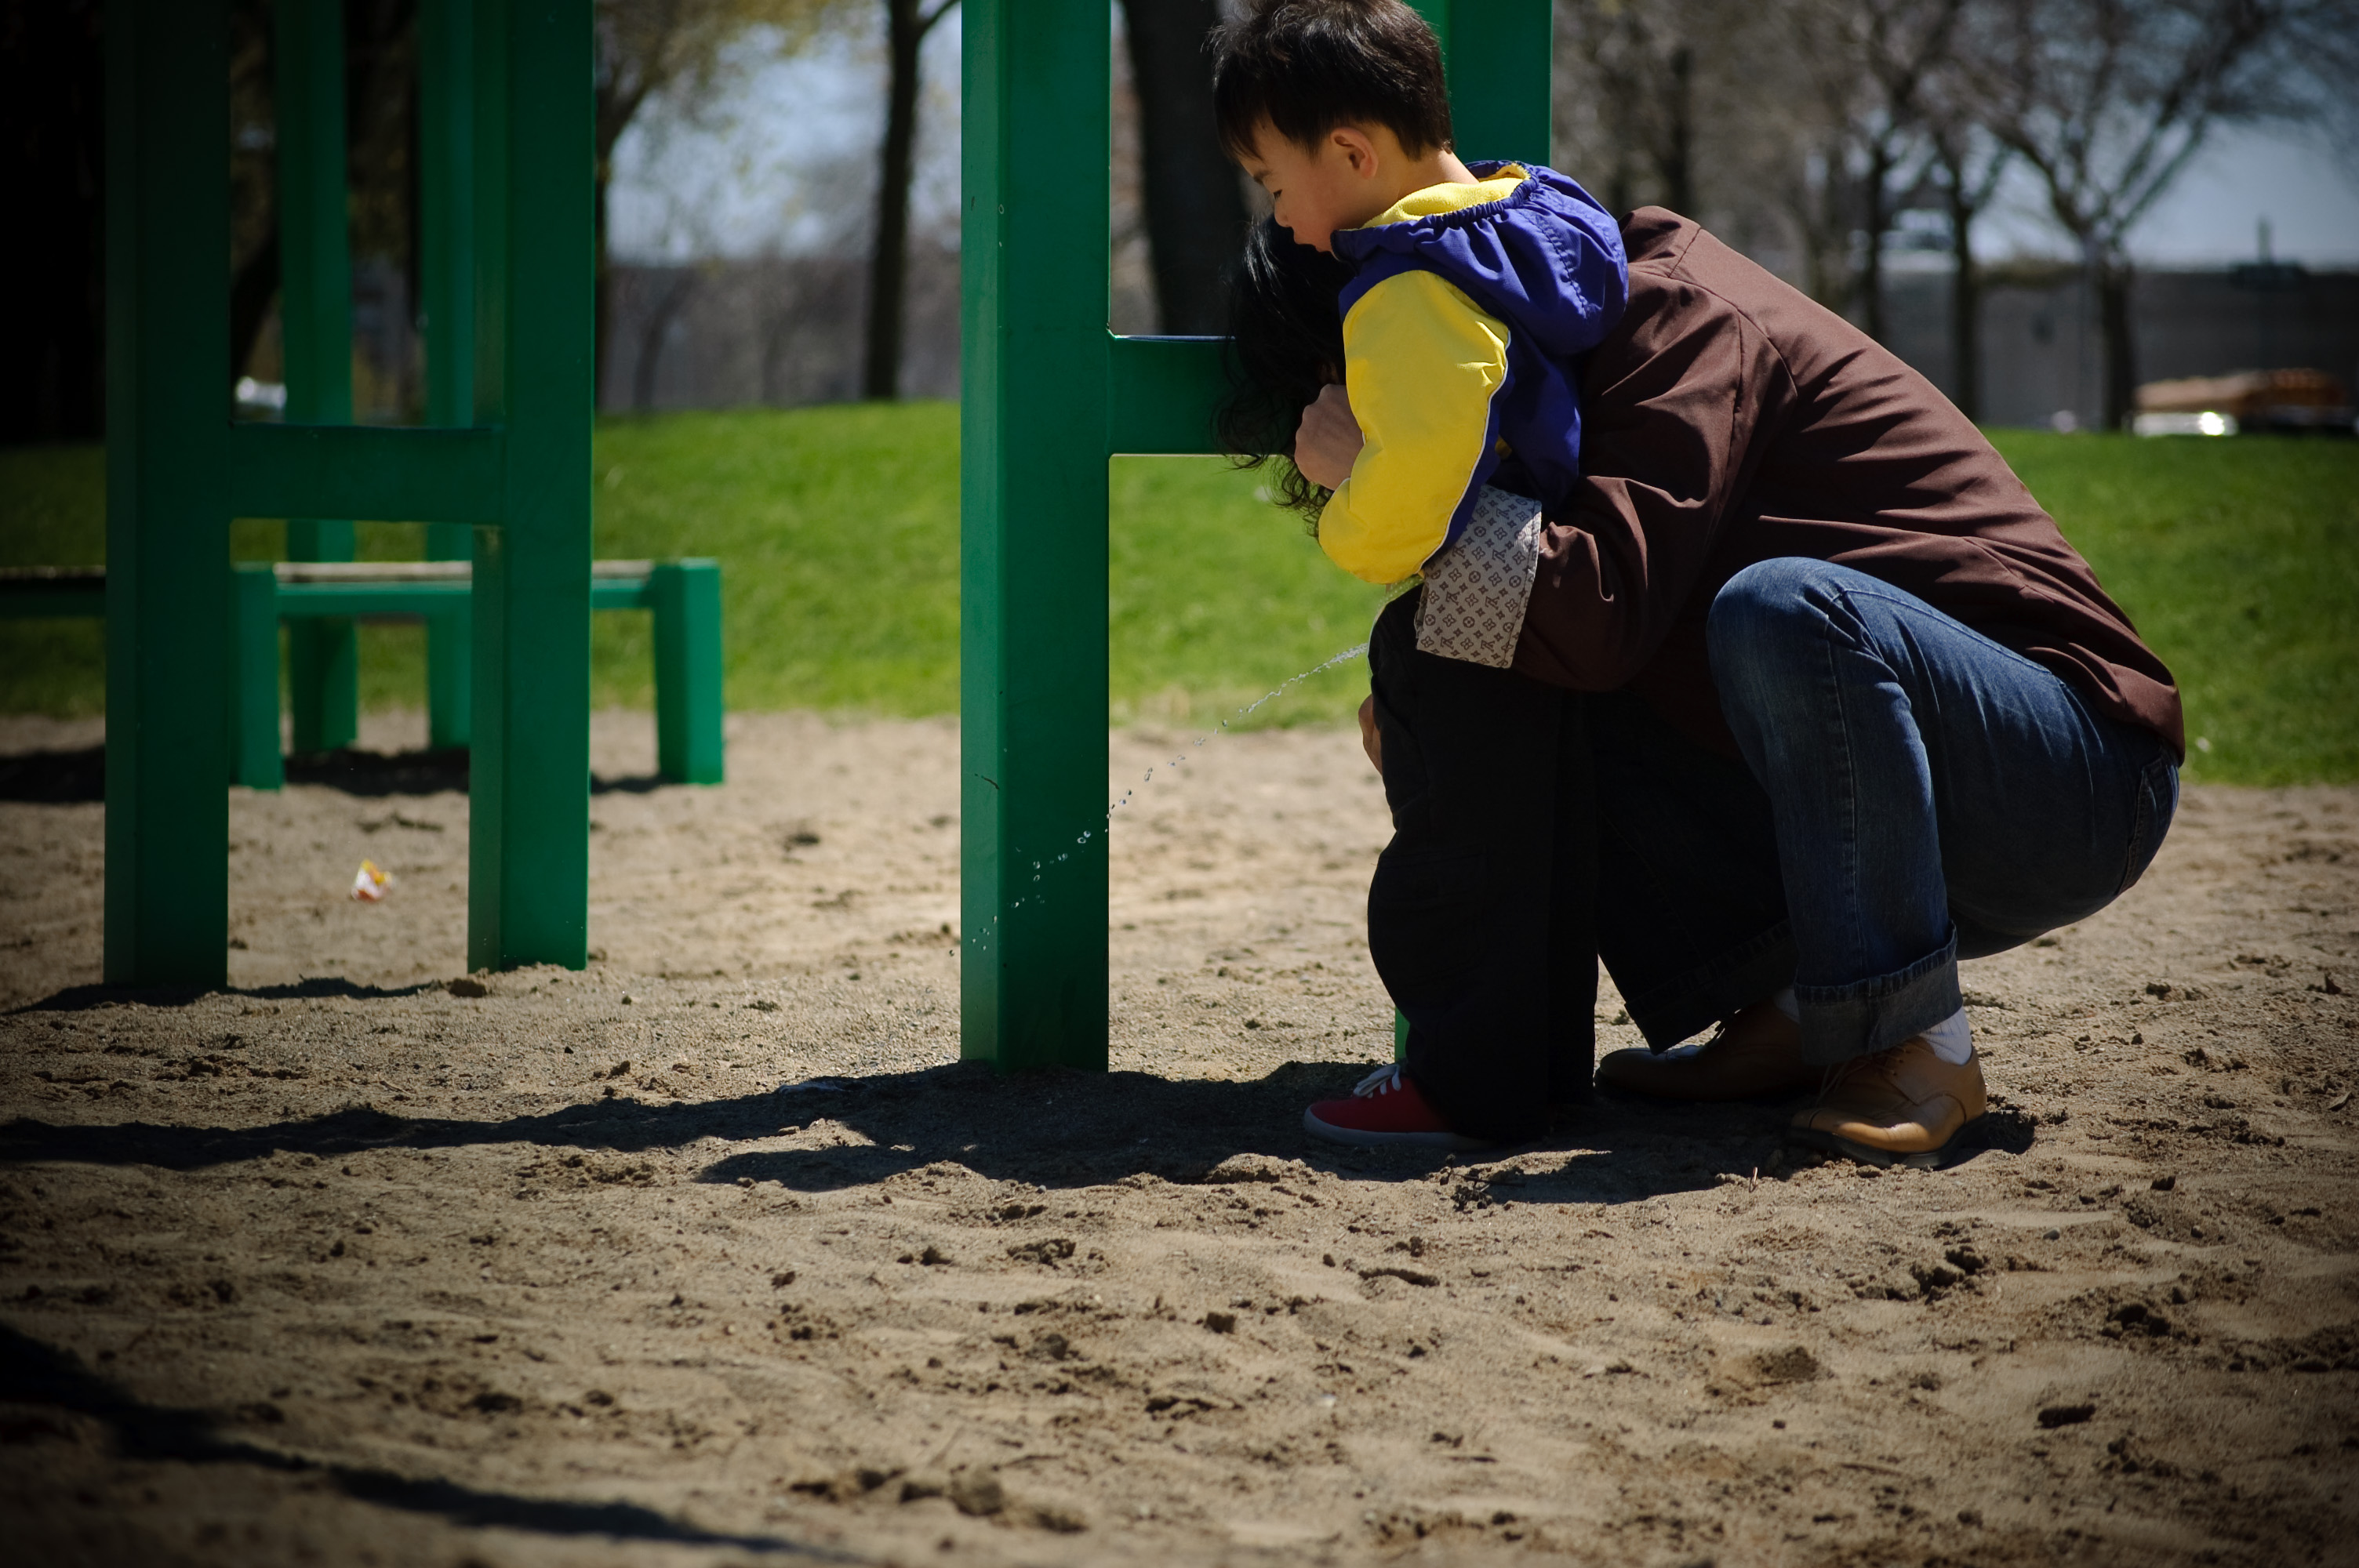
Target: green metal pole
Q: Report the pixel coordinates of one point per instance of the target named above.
(529, 888)
(168, 579)
(446, 105)
(315, 319)
(1500, 54)
(254, 723)
(688, 739)
(1033, 498)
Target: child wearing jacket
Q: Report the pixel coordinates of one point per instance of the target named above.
(1473, 287)
(1796, 697)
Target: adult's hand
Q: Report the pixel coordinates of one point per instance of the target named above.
(1371, 741)
(1327, 440)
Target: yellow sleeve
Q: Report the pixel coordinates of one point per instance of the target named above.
(1421, 364)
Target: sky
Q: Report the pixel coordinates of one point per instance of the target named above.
(777, 159)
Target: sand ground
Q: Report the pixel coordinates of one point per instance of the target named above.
(714, 1254)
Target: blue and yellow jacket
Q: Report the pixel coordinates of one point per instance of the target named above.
(1460, 334)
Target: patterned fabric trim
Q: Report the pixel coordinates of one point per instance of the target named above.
(1476, 590)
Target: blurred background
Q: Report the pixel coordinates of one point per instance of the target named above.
(2039, 203)
(2079, 218)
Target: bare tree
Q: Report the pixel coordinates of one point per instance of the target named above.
(1967, 162)
(2107, 102)
(907, 23)
(1970, 166)
(1195, 211)
(1636, 65)
(1870, 62)
(646, 47)
(52, 139)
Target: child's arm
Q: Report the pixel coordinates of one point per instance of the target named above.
(1423, 367)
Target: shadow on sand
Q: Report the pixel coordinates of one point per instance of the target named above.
(78, 777)
(40, 1376)
(1052, 1130)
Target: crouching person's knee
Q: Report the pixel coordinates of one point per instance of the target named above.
(1765, 624)
(1769, 608)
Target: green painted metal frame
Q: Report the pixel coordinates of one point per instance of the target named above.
(1047, 395)
(315, 320)
(517, 476)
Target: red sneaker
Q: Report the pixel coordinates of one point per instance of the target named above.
(1385, 1108)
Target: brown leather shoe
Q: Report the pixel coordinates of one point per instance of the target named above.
(1902, 1106)
(1756, 1053)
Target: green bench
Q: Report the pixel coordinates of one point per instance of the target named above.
(685, 596)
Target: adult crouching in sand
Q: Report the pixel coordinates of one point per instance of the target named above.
(1791, 700)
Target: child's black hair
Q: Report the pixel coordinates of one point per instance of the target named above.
(1285, 343)
(1305, 67)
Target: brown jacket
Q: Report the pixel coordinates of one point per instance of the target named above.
(1728, 419)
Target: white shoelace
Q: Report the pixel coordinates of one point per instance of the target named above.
(1383, 1081)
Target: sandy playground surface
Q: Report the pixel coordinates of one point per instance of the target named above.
(714, 1254)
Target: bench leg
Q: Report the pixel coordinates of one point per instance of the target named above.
(254, 681)
(323, 665)
(687, 597)
(450, 657)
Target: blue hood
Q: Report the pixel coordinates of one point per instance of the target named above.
(1547, 260)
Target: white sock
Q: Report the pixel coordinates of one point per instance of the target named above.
(1952, 1039)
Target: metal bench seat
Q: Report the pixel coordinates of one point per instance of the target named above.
(684, 595)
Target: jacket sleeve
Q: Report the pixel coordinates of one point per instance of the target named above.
(1424, 367)
(1671, 406)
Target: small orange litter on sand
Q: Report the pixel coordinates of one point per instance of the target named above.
(370, 883)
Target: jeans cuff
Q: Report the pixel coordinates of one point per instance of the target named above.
(1867, 1016)
(1726, 984)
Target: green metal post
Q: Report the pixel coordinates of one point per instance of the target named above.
(687, 597)
(168, 580)
(528, 870)
(446, 104)
(1033, 497)
(1500, 53)
(253, 703)
(315, 319)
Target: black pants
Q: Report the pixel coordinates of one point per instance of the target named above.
(1536, 829)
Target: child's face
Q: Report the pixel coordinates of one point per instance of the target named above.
(1337, 184)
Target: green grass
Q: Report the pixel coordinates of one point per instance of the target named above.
(2239, 561)
(837, 529)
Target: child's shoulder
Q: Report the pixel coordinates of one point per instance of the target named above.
(1521, 242)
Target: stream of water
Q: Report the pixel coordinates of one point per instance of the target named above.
(1042, 868)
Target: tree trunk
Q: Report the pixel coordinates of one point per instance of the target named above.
(653, 337)
(52, 136)
(1195, 213)
(1877, 218)
(253, 290)
(1965, 304)
(1677, 164)
(888, 266)
(2116, 341)
(602, 286)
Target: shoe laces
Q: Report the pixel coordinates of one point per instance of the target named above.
(1873, 1062)
(1383, 1081)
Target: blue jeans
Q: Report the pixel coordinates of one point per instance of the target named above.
(1935, 796)
(1909, 794)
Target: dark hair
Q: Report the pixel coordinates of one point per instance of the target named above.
(1285, 343)
(1308, 66)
